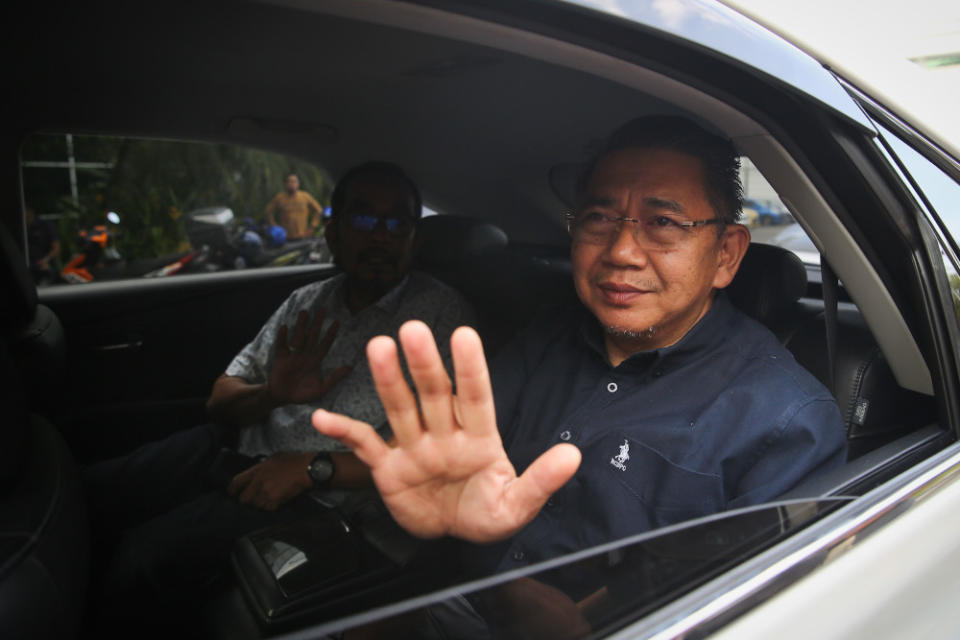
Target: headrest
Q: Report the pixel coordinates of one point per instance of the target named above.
(769, 282)
(445, 241)
(17, 289)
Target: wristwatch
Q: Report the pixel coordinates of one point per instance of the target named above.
(321, 469)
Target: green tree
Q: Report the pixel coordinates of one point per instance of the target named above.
(151, 184)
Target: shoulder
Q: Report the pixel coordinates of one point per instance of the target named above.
(768, 363)
(423, 285)
(314, 293)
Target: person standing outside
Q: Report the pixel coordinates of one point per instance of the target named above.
(294, 209)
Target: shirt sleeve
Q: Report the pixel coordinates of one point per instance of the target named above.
(271, 206)
(314, 210)
(812, 441)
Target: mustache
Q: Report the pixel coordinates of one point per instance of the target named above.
(641, 285)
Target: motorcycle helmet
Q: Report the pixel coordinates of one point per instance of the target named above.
(276, 236)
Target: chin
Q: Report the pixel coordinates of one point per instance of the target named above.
(634, 333)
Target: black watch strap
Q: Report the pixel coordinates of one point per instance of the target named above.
(321, 469)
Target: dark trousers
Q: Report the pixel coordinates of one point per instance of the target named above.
(164, 528)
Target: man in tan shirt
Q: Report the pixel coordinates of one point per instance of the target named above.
(294, 210)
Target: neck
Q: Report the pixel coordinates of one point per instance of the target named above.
(359, 296)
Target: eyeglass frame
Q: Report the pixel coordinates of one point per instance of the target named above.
(683, 224)
(407, 224)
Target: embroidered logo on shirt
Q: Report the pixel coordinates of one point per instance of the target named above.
(620, 460)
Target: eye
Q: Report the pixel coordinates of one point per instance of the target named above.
(663, 222)
(592, 218)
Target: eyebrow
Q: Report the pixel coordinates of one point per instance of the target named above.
(649, 201)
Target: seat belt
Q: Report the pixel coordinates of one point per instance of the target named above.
(830, 287)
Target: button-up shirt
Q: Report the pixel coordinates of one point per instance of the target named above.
(288, 428)
(723, 418)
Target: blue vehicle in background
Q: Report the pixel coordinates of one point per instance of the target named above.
(768, 214)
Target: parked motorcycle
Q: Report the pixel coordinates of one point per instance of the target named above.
(240, 246)
(218, 242)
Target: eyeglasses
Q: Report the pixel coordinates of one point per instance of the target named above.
(367, 222)
(656, 231)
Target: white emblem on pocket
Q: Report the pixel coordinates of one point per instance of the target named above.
(620, 460)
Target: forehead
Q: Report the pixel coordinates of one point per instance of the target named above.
(659, 172)
(382, 192)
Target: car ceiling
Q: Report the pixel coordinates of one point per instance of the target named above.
(479, 128)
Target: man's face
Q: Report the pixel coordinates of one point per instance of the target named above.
(373, 233)
(645, 295)
(291, 183)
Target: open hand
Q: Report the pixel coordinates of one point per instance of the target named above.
(296, 377)
(448, 473)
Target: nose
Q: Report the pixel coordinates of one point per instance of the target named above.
(624, 249)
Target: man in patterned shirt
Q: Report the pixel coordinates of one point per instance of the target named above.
(177, 526)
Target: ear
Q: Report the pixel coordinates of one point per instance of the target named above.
(330, 235)
(733, 245)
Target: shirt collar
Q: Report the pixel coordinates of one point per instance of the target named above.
(710, 329)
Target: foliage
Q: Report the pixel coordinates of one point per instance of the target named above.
(150, 184)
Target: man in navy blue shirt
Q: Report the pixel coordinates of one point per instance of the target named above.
(655, 402)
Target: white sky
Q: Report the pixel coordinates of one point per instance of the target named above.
(874, 41)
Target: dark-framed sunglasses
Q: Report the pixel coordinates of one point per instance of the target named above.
(367, 222)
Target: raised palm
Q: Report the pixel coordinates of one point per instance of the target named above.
(448, 473)
(296, 376)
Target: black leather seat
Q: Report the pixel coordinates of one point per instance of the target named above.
(44, 539)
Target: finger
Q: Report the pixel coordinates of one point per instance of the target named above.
(474, 394)
(283, 346)
(315, 325)
(398, 400)
(238, 483)
(335, 376)
(251, 494)
(434, 388)
(545, 475)
(328, 339)
(299, 332)
(368, 446)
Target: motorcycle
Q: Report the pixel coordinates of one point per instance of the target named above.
(240, 246)
(217, 242)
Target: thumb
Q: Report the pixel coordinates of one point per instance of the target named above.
(543, 478)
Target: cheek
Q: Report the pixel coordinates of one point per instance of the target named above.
(582, 260)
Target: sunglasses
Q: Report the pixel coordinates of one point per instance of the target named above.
(367, 222)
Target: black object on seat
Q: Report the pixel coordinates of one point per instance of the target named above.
(44, 540)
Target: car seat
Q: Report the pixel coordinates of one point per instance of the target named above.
(44, 539)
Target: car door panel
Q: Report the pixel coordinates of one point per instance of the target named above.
(143, 355)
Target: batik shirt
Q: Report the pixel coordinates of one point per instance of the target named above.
(288, 428)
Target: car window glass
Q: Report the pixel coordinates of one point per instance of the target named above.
(942, 195)
(103, 208)
(940, 190)
(608, 586)
(768, 218)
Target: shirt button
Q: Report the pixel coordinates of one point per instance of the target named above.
(657, 373)
(612, 387)
(518, 555)
(565, 435)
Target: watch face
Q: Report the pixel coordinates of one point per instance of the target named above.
(321, 469)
